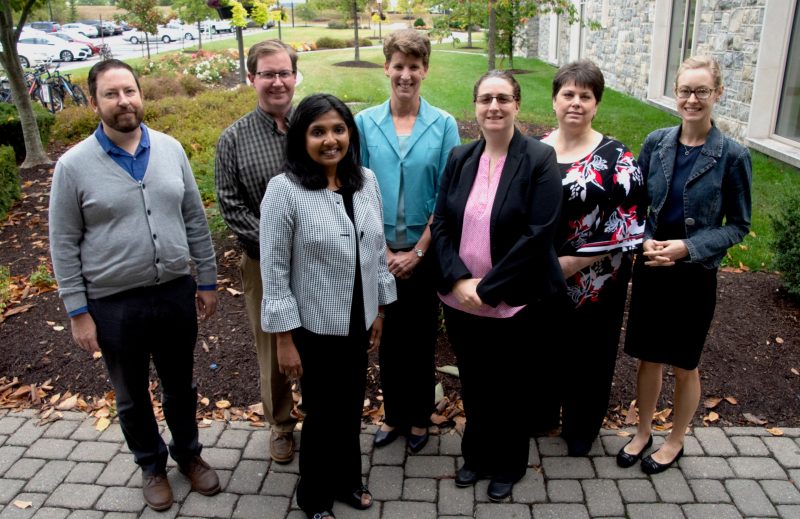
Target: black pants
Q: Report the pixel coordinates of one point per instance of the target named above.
(158, 322)
(334, 381)
(407, 350)
(494, 366)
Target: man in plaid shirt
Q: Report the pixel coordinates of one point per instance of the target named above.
(249, 153)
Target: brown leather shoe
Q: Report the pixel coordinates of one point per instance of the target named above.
(281, 446)
(156, 491)
(204, 479)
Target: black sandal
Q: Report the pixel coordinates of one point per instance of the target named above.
(354, 499)
(321, 515)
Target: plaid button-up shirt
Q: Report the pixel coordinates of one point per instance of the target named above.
(249, 153)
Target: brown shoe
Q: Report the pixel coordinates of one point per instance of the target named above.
(204, 479)
(281, 446)
(156, 491)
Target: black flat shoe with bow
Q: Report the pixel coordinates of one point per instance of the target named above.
(651, 466)
(626, 460)
(384, 438)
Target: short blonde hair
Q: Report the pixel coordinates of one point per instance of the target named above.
(706, 62)
(409, 42)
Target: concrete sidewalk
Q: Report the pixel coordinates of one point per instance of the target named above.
(67, 469)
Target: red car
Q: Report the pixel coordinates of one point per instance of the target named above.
(64, 36)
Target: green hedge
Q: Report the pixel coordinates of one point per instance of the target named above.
(786, 226)
(327, 42)
(9, 180)
(11, 129)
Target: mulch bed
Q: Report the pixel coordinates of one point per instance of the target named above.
(752, 353)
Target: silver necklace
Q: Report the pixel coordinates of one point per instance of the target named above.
(688, 149)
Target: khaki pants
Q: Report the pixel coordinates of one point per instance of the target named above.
(276, 391)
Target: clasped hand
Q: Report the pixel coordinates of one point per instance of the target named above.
(401, 264)
(466, 292)
(664, 253)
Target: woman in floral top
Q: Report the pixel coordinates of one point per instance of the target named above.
(602, 223)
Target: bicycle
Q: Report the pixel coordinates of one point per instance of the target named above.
(5, 91)
(62, 84)
(40, 90)
(105, 52)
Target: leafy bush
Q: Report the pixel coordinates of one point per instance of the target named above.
(362, 42)
(42, 277)
(326, 42)
(74, 124)
(161, 86)
(336, 24)
(11, 128)
(9, 179)
(419, 22)
(786, 226)
(5, 287)
(209, 67)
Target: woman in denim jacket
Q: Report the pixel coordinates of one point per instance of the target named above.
(698, 182)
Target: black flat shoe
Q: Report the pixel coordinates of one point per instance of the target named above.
(651, 466)
(499, 490)
(626, 460)
(466, 477)
(417, 442)
(384, 438)
(354, 499)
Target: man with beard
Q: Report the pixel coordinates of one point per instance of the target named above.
(125, 220)
(249, 153)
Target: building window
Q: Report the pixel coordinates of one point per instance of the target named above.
(680, 39)
(788, 120)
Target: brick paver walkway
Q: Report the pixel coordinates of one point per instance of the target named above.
(67, 469)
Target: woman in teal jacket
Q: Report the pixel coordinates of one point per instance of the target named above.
(406, 142)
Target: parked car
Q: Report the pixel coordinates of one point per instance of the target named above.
(165, 34)
(30, 55)
(68, 37)
(214, 26)
(63, 50)
(124, 25)
(103, 28)
(90, 31)
(252, 24)
(46, 26)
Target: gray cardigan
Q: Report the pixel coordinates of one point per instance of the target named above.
(308, 257)
(110, 233)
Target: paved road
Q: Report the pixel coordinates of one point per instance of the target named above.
(67, 469)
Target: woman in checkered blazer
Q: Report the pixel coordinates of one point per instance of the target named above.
(323, 262)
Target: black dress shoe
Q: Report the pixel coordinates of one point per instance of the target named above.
(384, 438)
(651, 466)
(499, 490)
(577, 447)
(626, 460)
(466, 477)
(417, 442)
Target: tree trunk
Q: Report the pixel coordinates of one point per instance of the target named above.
(240, 46)
(492, 36)
(355, 28)
(35, 153)
(147, 44)
(199, 35)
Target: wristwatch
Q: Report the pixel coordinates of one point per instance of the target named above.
(419, 252)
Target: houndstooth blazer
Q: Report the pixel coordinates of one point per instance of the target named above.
(308, 255)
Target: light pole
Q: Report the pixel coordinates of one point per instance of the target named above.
(380, 18)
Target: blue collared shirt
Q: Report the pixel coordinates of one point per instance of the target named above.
(135, 164)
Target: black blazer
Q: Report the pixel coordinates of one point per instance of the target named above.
(523, 223)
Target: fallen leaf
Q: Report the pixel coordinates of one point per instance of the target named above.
(793, 370)
(754, 419)
(712, 402)
(624, 434)
(778, 340)
(18, 310)
(234, 292)
(630, 417)
(23, 504)
(205, 401)
(712, 417)
(97, 355)
(223, 404)
(438, 393)
(58, 328)
(731, 400)
(775, 431)
(68, 404)
(448, 370)
(662, 415)
(102, 424)
(204, 345)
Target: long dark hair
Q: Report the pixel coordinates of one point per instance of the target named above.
(300, 167)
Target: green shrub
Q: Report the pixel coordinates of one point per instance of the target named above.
(74, 124)
(419, 22)
(786, 226)
(336, 24)
(9, 180)
(326, 42)
(42, 277)
(5, 287)
(11, 128)
(362, 42)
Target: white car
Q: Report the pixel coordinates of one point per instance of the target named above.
(63, 50)
(30, 55)
(215, 26)
(165, 34)
(73, 29)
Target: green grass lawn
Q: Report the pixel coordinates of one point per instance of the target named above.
(449, 84)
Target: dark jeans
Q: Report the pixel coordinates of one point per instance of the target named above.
(158, 322)
(407, 350)
(334, 380)
(494, 367)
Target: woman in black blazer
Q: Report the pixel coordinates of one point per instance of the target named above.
(493, 231)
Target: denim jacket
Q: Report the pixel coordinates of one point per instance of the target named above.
(718, 189)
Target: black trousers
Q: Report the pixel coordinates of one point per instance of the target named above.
(334, 380)
(158, 322)
(494, 365)
(407, 350)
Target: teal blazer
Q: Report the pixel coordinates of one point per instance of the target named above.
(434, 134)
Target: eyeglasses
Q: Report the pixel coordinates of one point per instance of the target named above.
(503, 99)
(701, 93)
(271, 76)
